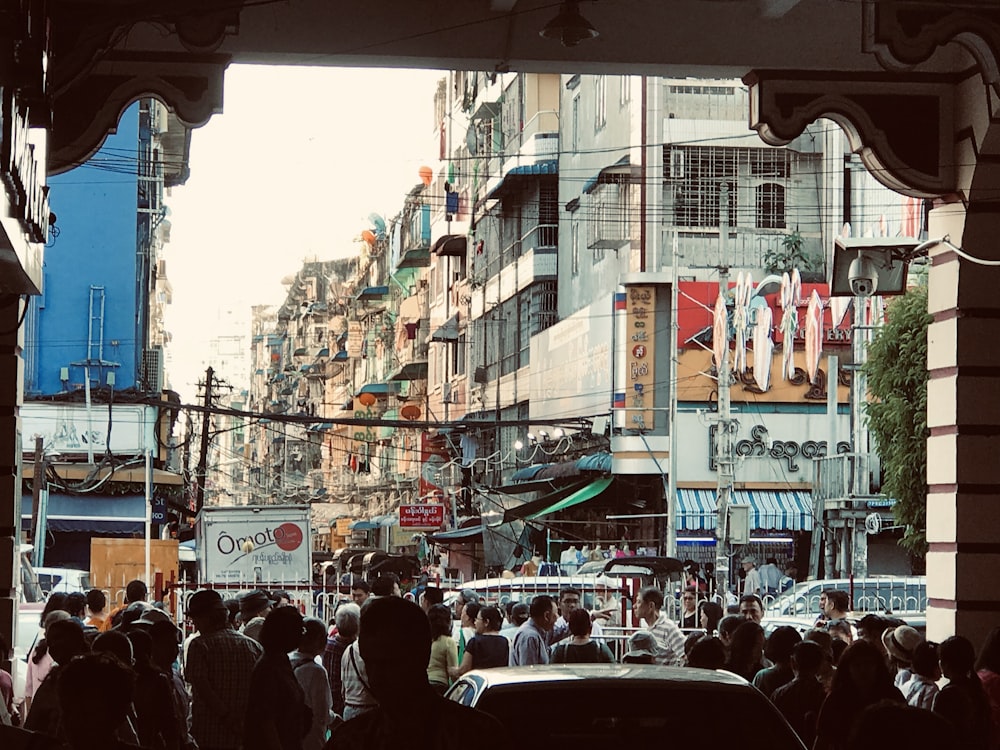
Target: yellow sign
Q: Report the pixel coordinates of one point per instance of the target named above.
(343, 525)
(640, 350)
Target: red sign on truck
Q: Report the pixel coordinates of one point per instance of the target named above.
(427, 516)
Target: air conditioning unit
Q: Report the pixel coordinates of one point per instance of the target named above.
(151, 369)
(448, 394)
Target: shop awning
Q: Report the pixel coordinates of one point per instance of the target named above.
(592, 490)
(447, 331)
(379, 389)
(549, 166)
(450, 244)
(115, 515)
(370, 524)
(372, 293)
(410, 371)
(769, 509)
(610, 173)
(458, 536)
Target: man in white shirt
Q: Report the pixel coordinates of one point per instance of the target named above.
(751, 584)
(669, 638)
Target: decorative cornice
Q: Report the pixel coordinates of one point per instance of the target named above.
(901, 128)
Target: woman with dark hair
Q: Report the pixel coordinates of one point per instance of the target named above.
(711, 613)
(746, 650)
(580, 648)
(988, 669)
(277, 717)
(488, 647)
(41, 661)
(862, 679)
(962, 701)
(707, 653)
(156, 724)
(444, 650)
(778, 650)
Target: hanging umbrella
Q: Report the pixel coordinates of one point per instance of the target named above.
(762, 348)
(741, 319)
(814, 334)
(720, 332)
(789, 323)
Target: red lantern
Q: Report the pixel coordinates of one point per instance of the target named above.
(368, 236)
(426, 175)
(366, 399)
(410, 411)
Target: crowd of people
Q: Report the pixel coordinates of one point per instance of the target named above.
(255, 674)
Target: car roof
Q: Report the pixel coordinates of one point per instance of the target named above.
(598, 673)
(549, 582)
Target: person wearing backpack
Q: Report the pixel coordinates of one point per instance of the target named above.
(580, 648)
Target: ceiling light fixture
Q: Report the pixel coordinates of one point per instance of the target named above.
(569, 27)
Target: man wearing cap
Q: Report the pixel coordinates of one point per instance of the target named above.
(900, 643)
(218, 667)
(254, 607)
(751, 584)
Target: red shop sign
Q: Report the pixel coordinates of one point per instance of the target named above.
(427, 516)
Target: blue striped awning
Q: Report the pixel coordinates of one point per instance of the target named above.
(774, 510)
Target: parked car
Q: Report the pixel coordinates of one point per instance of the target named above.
(880, 594)
(622, 703)
(65, 580)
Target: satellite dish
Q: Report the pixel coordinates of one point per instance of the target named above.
(873, 523)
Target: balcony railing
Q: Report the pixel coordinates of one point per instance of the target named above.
(845, 477)
(539, 237)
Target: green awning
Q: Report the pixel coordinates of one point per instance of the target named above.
(536, 507)
(589, 492)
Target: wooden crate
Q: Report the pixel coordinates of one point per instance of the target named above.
(115, 562)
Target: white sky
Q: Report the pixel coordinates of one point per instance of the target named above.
(291, 169)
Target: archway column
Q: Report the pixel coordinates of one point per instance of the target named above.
(963, 415)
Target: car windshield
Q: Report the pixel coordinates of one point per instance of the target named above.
(588, 710)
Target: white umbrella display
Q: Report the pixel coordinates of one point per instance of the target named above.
(790, 296)
(741, 319)
(814, 334)
(763, 346)
(720, 332)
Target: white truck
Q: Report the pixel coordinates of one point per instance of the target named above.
(254, 546)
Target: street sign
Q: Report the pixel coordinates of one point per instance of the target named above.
(425, 516)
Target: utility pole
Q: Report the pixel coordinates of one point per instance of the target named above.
(203, 455)
(37, 534)
(724, 463)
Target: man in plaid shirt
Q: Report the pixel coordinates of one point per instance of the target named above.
(218, 667)
(669, 638)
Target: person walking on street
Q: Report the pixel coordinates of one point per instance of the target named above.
(348, 620)
(313, 679)
(530, 643)
(751, 582)
(488, 648)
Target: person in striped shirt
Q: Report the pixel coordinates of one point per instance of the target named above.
(669, 638)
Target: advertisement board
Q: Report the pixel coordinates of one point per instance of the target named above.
(424, 516)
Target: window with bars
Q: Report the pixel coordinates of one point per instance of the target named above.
(610, 214)
(695, 175)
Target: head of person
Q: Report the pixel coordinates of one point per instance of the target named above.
(519, 613)
(464, 597)
(254, 604)
(313, 639)
(748, 563)
(648, 604)
(114, 643)
(55, 603)
(281, 598)
(348, 621)
(360, 591)
(579, 623)
(711, 613)
(807, 658)
(282, 630)
(708, 653)
(861, 672)
(989, 657)
(76, 602)
(142, 648)
(135, 591)
(430, 596)
(488, 620)
(386, 584)
(96, 601)
(569, 600)
(747, 644)
(689, 599)
(925, 661)
(166, 643)
(689, 640)
(900, 643)
(957, 658)
(440, 619)
(395, 643)
(543, 612)
(751, 608)
(207, 611)
(727, 626)
(469, 613)
(823, 639)
(871, 627)
(641, 648)
(840, 630)
(780, 644)
(233, 610)
(834, 602)
(65, 639)
(95, 693)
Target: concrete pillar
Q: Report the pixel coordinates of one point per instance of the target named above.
(11, 341)
(963, 415)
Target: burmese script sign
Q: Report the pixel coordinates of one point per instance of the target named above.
(640, 348)
(427, 516)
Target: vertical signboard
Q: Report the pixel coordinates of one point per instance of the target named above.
(636, 399)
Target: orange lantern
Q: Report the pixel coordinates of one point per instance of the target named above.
(366, 399)
(410, 411)
(368, 236)
(426, 175)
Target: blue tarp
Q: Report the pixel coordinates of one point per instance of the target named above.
(122, 515)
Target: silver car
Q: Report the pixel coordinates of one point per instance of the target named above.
(624, 703)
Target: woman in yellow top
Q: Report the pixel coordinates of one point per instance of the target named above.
(444, 650)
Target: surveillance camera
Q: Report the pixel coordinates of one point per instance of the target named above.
(862, 277)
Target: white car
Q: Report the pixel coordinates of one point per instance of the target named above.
(65, 580)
